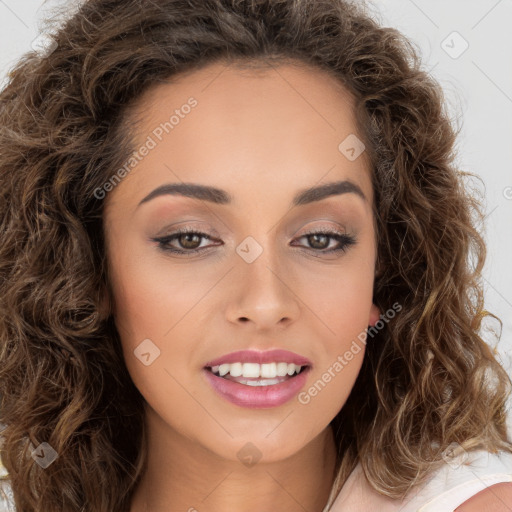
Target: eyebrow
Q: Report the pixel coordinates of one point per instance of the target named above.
(222, 197)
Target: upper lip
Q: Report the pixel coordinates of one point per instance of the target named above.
(260, 357)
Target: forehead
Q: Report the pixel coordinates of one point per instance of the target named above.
(241, 90)
(275, 124)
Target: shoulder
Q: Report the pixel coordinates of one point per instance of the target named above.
(495, 498)
(476, 481)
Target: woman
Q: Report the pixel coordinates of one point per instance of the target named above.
(235, 270)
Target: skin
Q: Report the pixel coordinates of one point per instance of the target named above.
(496, 498)
(262, 137)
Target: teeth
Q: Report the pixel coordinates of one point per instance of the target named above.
(236, 369)
(250, 370)
(255, 370)
(282, 369)
(292, 368)
(266, 382)
(268, 371)
(223, 369)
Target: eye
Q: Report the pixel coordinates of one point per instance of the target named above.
(189, 241)
(188, 238)
(321, 239)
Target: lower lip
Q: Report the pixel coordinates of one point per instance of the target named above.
(257, 397)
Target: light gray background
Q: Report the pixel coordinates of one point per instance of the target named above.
(477, 85)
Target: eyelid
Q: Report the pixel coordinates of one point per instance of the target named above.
(190, 226)
(341, 237)
(322, 225)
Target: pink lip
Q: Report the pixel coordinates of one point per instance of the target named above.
(256, 356)
(257, 397)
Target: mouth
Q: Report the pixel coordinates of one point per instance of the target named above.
(255, 386)
(254, 374)
(258, 379)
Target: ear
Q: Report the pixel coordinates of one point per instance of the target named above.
(374, 315)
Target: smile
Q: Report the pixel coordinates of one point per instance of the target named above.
(258, 379)
(248, 373)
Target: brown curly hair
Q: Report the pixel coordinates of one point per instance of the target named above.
(424, 383)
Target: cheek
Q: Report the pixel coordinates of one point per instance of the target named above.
(161, 304)
(341, 300)
(342, 303)
(150, 298)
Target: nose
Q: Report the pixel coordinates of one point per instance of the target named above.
(263, 294)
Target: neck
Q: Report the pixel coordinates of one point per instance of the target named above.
(182, 475)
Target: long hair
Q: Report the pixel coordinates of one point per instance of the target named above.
(428, 379)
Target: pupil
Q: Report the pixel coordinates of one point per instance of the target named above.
(187, 237)
(315, 240)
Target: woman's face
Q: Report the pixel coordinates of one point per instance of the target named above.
(250, 279)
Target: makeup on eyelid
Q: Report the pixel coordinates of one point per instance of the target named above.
(342, 241)
(158, 224)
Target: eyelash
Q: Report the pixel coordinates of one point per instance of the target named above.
(343, 239)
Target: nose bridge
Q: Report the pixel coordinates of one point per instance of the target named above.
(259, 266)
(261, 291)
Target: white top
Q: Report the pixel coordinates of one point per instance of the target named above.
(460, 479)
(6, 498)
